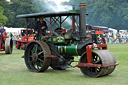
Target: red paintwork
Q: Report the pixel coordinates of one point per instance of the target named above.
(0, 45)
(45, 37)
(99, 32)
(89, 51)
(1, 49)
(89, 55)
(25, 38)
(64, 31)
(52, 56)
(3, 38)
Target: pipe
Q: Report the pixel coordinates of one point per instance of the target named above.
(73, 7)
(83, 21)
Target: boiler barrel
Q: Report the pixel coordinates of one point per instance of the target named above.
(68, 49)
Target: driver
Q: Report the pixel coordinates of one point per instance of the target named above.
(2, 29)
(41, 27)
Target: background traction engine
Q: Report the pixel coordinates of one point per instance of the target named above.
(58, 51)
(26, 37)
(6, 44)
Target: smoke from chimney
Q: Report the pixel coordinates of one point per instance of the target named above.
(51, 6)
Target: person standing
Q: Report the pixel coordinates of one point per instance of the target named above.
(127, 37)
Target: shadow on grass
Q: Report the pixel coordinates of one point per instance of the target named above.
(50, 70)
(107, 76)
(75, 74)
(70, 73)
(3, 54)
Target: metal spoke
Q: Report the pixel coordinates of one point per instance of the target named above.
(40, 52)
(33, 62)
(36, 46)
(37, 66)
(31, 52)
(97, 62)
(40, 60)
(96, 70)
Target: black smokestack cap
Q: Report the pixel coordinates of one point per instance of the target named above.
(83, 21)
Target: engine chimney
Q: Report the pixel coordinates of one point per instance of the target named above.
(73, 7)
(82, 21)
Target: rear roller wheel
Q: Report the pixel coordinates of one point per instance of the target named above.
(8, 46)
(103, 57)
(36, 54)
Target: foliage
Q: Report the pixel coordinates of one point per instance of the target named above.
(3, 18)
(110, 13)
(20, 7)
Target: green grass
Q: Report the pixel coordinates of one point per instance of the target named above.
(13, 71)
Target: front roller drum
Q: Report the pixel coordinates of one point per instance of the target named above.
(36, 54)
(102, 57)
(8, 46)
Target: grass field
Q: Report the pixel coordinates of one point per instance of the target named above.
(13, 71)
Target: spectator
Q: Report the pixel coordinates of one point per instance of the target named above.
(110, 37)
(127, 37)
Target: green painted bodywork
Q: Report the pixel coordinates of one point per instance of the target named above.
(58, 39)
(70, 49)
(73, 11)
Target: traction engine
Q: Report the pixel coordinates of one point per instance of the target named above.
(59, 48)
(26, 37)
(6, 44)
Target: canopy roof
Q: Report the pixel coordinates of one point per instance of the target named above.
(48, 14)
(89, 27)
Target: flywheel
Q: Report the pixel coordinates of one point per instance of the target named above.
(36, 54)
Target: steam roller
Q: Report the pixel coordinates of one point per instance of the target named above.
(93, 62)
(58, 48)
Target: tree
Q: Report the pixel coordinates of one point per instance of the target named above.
(3, 18)
(110, 13)
(18, 7)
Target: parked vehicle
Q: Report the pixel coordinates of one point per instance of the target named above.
(26, 37)
(6, 44)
